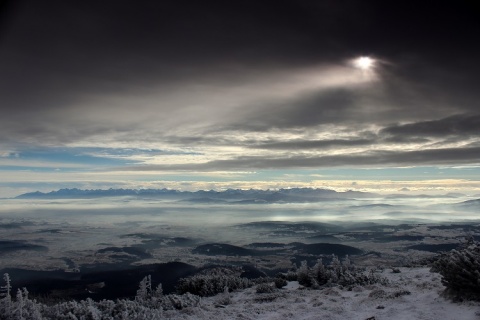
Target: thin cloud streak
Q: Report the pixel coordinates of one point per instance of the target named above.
(447, 156)
(462, 125)
(313, 144)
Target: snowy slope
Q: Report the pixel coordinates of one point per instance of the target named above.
(424, 302)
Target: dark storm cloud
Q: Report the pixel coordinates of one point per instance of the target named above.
(72, 71)
(105, 45)
(121, 39)
(56, 56)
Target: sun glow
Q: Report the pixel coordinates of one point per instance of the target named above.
(364, 63)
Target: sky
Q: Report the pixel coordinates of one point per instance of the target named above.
(239, 94)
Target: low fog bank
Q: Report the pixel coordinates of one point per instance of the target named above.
(127, 209)
(71, 234)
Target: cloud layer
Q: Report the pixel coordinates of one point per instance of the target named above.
(242, 86)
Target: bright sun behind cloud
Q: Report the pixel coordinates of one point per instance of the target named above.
(364, 63)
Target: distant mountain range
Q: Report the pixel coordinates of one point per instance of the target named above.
(210, 196)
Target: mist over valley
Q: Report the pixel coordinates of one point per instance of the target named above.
(73, 239)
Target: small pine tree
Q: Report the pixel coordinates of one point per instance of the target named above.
(320, 273)
(6, 289)
(20, 304)
(347, 264)
(6, 301)
(336, 266)
(303, 275)
(144, 289)
(159, 291)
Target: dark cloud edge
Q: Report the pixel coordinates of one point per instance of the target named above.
(429, 157)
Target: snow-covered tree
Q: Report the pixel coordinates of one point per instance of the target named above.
(460, 270)
(206, 285)
(336, 273)
(144, 288)
(5, 290)
(304, 276)
(6, 298)
(320, 272)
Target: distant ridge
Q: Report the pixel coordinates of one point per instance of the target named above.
(94, 193)
(473, 204)
(210, 196)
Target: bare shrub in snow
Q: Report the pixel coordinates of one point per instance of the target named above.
(264, 288)
(267, 297)
(377, 294)
(183, 301)
(224, 299)
(398, 293)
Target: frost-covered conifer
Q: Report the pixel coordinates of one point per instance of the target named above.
(159, 291)
(211, 284)
(336, 266)
(336, 273)
(347, 264)
(6, 301)
(19, 305)
(5, 290)
(320, 273)
(460, 270)
(303, 274)
(144, 288)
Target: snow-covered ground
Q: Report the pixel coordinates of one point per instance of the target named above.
(414, 293)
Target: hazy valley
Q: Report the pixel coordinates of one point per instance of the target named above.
(64, 244)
